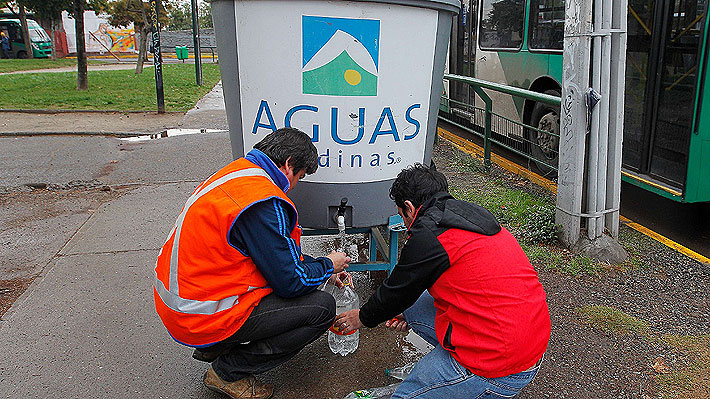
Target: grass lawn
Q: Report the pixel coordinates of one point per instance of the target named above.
(40, 63)
(108, 90)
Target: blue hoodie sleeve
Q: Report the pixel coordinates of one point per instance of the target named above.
(263, 232)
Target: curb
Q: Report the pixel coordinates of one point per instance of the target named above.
(91, 111)
(110, 134)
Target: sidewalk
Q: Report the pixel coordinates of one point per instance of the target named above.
(86, 327)
(105, 67)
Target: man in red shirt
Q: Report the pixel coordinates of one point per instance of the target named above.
(464, 285)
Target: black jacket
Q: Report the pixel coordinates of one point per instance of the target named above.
(423, 258)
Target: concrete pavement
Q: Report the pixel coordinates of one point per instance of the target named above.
(86, 327)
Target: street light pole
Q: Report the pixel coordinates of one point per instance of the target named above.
(157, 57)
(196, 40)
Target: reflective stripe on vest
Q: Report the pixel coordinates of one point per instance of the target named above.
(171, 295)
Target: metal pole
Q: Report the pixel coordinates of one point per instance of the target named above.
(616, 111)
(597, 122)
(606, 62)
(196, 40)
(157, 57)
(575, 81)
(487, 133)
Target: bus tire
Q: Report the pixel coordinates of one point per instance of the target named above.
(22, 54)
(544, 148)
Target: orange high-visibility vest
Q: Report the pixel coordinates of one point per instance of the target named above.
(204, 288)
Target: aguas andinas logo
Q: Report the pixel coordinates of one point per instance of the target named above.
(340, 56)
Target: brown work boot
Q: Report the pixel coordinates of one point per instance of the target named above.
(246, 388)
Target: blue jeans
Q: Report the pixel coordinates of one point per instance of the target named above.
(439, 375)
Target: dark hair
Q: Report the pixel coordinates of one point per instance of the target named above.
(417, 183)
(291, 143)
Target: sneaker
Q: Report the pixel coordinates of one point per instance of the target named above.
(246, 388)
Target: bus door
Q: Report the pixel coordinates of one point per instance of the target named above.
(463, 50)
(663, 52)
(501, 35)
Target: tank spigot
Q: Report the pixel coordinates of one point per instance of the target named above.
(341, 208)
(340, 215)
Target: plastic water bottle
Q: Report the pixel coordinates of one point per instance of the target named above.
(373, 393)
(400, 372)
(344, 344)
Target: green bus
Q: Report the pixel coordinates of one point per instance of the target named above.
(666, 145)
(39, 39)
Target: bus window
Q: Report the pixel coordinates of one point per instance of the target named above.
(547, 24)
(502, 24)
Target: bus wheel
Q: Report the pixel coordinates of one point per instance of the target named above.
(544, 148)
(22, 54)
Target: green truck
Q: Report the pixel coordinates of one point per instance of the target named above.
(40, 40)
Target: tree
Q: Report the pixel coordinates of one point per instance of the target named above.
(26, 33)
(49, 10)
(125, 12)
(179, 17)
(206, 15)
(21, 14)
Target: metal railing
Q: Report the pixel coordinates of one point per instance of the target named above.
(502, 123)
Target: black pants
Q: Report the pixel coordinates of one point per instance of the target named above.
(276, 330)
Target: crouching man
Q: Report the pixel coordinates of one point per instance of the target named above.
(231, 280)
(464, 285)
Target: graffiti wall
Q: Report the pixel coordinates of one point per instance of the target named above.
(100, 37)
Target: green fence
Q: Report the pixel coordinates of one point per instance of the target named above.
(496, 128)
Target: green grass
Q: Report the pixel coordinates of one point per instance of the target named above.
(613, 320)
(108, 90)
(691, 379)
(40, 63)
(530, 216)
(552, 258)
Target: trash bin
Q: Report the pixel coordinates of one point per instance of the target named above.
(362, 78)
(181, 52)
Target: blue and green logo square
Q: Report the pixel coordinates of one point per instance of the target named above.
(340, 56)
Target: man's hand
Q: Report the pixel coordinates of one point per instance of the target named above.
(348, 321)
(398, 323)
(341, 279)
(340, 261)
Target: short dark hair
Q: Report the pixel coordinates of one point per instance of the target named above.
(417, 183)
(291, 143)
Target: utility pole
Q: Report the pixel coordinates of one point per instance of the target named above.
(82, 78)
(196, 40)
(157, 57)
(593, 76)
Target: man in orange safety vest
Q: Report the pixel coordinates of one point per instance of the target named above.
(231, 280)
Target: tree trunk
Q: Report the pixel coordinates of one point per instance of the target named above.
(142, 46)
(26, 33)
(54, 38)
(82, 79)
(142, 50)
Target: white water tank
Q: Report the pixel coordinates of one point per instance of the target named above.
(362, 78)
